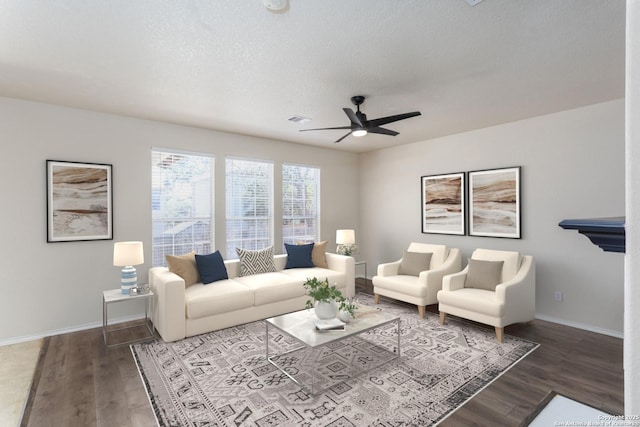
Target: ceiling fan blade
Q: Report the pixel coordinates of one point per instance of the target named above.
(382, 131)
(340, 127)
(389, 119)
(343, 137)
(353, 117)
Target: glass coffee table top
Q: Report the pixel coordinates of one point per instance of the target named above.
(301, 325)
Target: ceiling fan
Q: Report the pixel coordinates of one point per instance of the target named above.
(360, 126)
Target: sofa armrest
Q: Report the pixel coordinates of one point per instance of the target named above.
(347, 265)
(280, 261)
(169, 303)
(455, 281)
(519, 293)
(389, 268)
(233, 267)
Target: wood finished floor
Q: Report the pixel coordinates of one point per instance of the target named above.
(80, 383)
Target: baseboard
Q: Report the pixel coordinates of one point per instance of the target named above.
(583, 326)
(25, 338)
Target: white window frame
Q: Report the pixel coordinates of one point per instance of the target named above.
(199, 215)
(290, 219)
(250, 236)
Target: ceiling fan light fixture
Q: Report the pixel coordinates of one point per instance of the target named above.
(359, 132)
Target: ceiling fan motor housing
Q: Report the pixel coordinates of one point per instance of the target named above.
(357, 100)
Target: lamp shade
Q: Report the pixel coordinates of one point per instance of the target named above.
(345, 237)
(127, 253)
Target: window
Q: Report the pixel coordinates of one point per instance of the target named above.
(181, 204)
(249, 197)
(300, 204)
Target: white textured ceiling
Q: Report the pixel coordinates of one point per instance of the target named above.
(233, 65)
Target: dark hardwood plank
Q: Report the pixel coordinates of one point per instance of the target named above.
(79, 401)
(111, 404)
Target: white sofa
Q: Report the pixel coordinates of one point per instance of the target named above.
(181, 311)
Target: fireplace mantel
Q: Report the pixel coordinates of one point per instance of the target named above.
(608, 233)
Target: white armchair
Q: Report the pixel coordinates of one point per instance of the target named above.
(422, 288)
(469, 294)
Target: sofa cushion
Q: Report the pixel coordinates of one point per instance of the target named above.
(483, 274)
(299, 256)
(256, 262)
(511, 260)
(211, 267)
(440, 252)
(272, 287)
(185, 267)
(318, 254)
(223, 297)
(336, 278)
(474, 300)
(405, 285)
(414, 262)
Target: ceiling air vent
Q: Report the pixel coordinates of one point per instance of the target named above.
(299, 119)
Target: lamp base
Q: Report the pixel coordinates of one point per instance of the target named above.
(128, 279)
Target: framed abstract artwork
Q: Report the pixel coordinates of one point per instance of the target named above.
(79, 201)
(443, 203)
(494, 203)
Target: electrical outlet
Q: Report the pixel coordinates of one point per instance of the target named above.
(558, 296)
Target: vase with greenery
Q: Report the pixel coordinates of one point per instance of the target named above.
(325, 295)
(346, 309)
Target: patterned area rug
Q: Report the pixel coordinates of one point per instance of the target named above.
(223, 378)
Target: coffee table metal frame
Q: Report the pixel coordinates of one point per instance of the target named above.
(300, 326)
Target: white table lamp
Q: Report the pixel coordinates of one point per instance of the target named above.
(128, 254)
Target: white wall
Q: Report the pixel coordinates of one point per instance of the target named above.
(632, 257)
(572, 167)
(52, 287)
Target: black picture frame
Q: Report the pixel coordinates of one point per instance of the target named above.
(495, 203)
(443, 204)
(79, 201)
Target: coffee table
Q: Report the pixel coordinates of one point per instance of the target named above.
(317, 360)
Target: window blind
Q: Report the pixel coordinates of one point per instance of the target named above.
(182, 204)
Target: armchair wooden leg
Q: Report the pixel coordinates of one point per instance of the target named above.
(376, 298)
(500, 334)
(421, 310)
(442, 316)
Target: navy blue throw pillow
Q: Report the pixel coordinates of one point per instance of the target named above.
(211, 267)
(299, 256)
